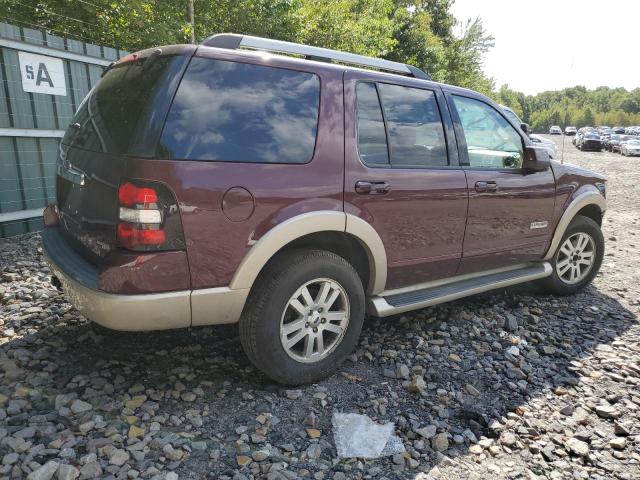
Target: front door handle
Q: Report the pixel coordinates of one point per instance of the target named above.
(486, 186)
(364, 187)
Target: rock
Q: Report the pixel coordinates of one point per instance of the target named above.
(45, 472)
(10, 458)
(188, 396)
(314, 451)
(508, 439)
(293, 394)
(90, 470)
(471, 390)
(510, 323)
(402, 371)
(475, 449)
(136, 402)
(67, 472)
(417, 385)
(243, 460)
(260, 455)
(427, 432)
(580, 416)
(618, 443)
(135, 432)
(313, 433)
(606, 411)
(171, 453)
(119, 457)
(440, 442)
(78, 406)
(577, 447)
(514, 351)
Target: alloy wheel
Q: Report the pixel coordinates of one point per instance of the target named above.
(315, 320)
(576, 258)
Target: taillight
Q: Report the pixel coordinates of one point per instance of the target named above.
(148, 217)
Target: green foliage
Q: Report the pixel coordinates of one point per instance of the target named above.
(418, 32)
(575, 106)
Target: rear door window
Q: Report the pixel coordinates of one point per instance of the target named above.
(399, 127)
(238, 112)
(414, 127)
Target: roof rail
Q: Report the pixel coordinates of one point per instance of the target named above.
(234, 41)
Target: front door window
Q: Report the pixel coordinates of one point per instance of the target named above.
(491, 140)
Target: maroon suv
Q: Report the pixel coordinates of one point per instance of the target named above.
(211, 184)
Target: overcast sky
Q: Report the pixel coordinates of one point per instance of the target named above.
(551, 44)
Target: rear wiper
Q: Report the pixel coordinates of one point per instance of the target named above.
(109, 67)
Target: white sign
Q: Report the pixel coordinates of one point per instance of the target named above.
(42, 74)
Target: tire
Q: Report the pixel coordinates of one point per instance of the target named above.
(268, 308)
(560, 286)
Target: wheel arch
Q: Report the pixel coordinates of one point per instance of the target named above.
(341, 233)
(589, 203)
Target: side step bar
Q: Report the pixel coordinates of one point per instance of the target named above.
(403, 300)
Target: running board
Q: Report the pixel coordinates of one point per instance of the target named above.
(403, 300)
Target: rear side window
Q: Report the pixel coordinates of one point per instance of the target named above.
(236, 112)
(406, 119)
(372, 138)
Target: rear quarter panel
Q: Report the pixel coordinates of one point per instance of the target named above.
(217, 244)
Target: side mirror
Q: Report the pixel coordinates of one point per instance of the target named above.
(526, 128)
(536, 159)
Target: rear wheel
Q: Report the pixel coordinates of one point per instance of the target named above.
(303, 317)
(578, 258)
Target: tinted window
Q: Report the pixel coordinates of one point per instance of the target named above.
(123, 113)
(236, 112)
(372, 138)
(491, 140)
(414, 126)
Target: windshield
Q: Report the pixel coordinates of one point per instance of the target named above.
(633, 142)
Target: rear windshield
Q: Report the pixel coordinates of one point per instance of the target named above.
(237, 112)
(124, 112)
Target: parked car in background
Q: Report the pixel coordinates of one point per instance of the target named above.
(570, 131)
(550, 145)
(630, 148)
(613, 141)
(590, 141)
(555, 130)
(619, 130)
(616, 146)
(290, 233)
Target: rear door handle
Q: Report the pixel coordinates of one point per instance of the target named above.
(364, 187)
(490, 186)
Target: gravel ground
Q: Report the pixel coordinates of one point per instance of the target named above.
(513, 384)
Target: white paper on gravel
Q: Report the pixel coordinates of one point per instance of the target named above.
(358, 436)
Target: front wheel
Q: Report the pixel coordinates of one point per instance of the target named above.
(577, 259)
(304, 316)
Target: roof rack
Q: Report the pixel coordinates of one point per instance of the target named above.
(234, 41)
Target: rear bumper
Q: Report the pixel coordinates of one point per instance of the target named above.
(141, 312)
